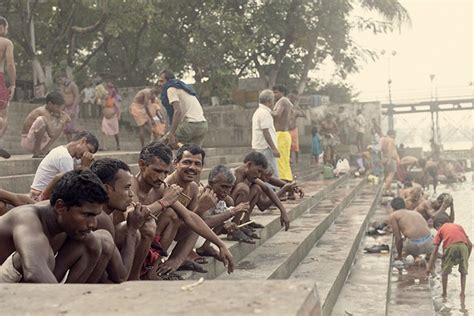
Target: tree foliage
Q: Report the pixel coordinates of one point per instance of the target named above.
(217, 41)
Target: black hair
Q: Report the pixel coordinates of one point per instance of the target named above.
(3, 21)
(257, 158)
(221, 169)
(90, 139)
(440, 219)
(107, 168)
(168, 74)
(442, 196)
(55, 98)
(77, 187)
(314, 130)
(192, 148)
(398, 203)
(158, 150)
(281, 88)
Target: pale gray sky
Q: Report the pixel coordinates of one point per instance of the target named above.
(439, 41)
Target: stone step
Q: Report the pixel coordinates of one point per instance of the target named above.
(279, 256)
(369, 274)
(315, 189)
(24, 164)
(331, 258)
(230, 298)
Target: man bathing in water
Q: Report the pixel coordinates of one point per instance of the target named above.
(411, 226)
(248, 188)
(430, 170)
(31, 235)
(150, 190)
(389, 159)
(44, 125)
(6, 94)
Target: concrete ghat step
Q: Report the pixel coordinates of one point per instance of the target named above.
(24, 164)
(329, 261)
(315, 190)
(165, 298)
(369, 274)
(280, 255)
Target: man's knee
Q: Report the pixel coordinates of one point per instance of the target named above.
(148, 229)
(242, 190)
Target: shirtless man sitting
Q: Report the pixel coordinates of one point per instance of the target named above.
(249, 188)
(150, 190)
(217, 206)
(31, 235)
(411, 226)
(141, 110)
(44, 125)
(126, 261)
(437, 208)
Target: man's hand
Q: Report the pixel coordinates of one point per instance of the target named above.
(137, 217)
(284, 221)
(207, 200)
(227, 258)
(276, 153)
(171, 194)
(242, 207)
(168, 266)
(230, 227)
(11, 92)
(87, 159)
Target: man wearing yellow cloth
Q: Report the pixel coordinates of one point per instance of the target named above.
(281, 117)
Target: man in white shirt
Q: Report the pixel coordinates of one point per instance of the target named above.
(360, 128)
(263, 129)
(187, 121)
(61, 160)
(88, 100)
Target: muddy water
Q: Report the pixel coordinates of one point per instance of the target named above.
(464, 209)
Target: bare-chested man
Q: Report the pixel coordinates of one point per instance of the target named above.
(389, 159)
(150, 190)
(295, 113)
(281, 118)
(43, 126)
(413, 227)
(31, 235)
(405, 165)
(430, 170)
(249, 188)
(6, 94)
(328, 132)
(437, 208)
(126, 262)
(72, 97)
(217, 206)
(141, 110)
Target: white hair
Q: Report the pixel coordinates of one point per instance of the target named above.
(266, 96)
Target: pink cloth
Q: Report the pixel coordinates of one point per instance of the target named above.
(4, 93)
(110, 126)
(28, 140)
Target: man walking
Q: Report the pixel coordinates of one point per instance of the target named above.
(6, 57)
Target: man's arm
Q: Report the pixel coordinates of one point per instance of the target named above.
(284, 221)
(398, 236)
(36, 255)
(268, 139)
(146, 103)
(177, 117)
(11, 68)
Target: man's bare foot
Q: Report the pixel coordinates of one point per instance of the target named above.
(208, 251)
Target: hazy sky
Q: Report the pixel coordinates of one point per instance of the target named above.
(439, 41)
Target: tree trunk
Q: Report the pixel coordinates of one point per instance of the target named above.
(48, 69)
(39, 88)
(308, 65)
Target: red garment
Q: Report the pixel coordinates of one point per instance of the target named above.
(4, 93)
(152, 257)
(450, 234)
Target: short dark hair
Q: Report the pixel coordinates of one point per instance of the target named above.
(107, 168)
(440, 219)
(77, 187)
(281, 88)
(314, 130)
(169, 75)
(257, 158)
(3, 21)
(221, 169)
(398, 203)
(192, 148)
(158, 150)
(55, 98)
(90, 139)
